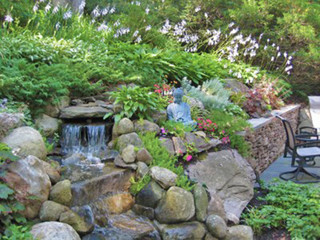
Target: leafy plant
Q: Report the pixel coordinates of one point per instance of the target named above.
(136, 186)
(15, 232)
(136, 102)
(175, 128)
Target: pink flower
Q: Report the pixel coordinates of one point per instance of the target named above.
(188, 158)
(209, 121)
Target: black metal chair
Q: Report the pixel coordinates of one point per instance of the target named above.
(303, 148)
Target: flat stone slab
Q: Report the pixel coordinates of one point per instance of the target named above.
(83, 112)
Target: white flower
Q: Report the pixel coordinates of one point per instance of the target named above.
(234, 31)
(96, 12)
(272, 58)
(273, 45)
(261, 35)
(138, 3)
(265, 47)
(290, 57)
(285, 54)
(103, 27)
(268, 40)
(48, 7)
(278, 48)
(148, 28)
(279, 54)
(135, 33)
(230, 71)
(138, 39)
(8, 18)
(105, 11)
(117, 23)
(225, 66)
(82, 6)
(288, 68)
(112, 10)
(36, 7)
(55, 10)
(67, 15)
(147, 10)
(197, 9)
(231, 24)
(58, 25)
(206, 15)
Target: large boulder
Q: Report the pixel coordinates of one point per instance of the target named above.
(145, 126)
(61, 193)
(48, 125)
(150, 195)
(200, 143)
(227, 174)
(124, 126)
(129, 138)
(119, 203)
(9, 121)
(51, 211)
(189, 230)
(83, 112)
(128, 154)
(163, 176)
(177, 206)
(144, 156)
(26, 141)
(216, 207)
(31, 183)
(54, 231)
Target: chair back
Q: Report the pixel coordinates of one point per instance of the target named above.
(289, 133)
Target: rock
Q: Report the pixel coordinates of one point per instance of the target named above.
(53, 174)
(201, 202)
(53, 110)
(144, 211)
(209, 237)
(150, 195)
(76, 102)
(193, 102)
(145, 126)
(109, 155)
(200, 134)
(216, 207)
(9, 121)
(144, 156)
(128, 154)
(48, 125)
(216, 226)
(83, 112)
(78, 223)
(51, 211)
(163, 176)
(120, 163)
(119, 203)
(179, 146)
(104, 233)
(235, 86)
(54, 231)
(168, 144)
(75, 158)
(27, 141)
(232, 219)
(159, 116)
(61, 193)
(124, 126)
(189, 230)
(199, 142)
(177, 206)
(228, 175)
(142, 169)
(31, 183)
(129, 138)
(86, 213)
(239, 232)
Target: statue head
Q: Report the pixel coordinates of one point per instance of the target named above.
(178, 94)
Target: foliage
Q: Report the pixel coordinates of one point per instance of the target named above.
(291, 206)
(15, 232)
(136, 186)
(136, 102)
(174, 128)
(211, 94)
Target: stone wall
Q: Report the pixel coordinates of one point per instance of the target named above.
(268, 137)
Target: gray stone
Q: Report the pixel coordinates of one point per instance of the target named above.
(183, 231)
(26, 141)
(75, 158)
(75, 112)
(235, 86)
(78, 223)
(118, 161)
(159, 116)
(216, 207)
(109, 155)
(239, 232)
(31, 183)
(210, 237)
(168, 144)
(48, 125)
(201, 202)
(85, 212)
(54, 231)
(199, 143)
(144, 211)
(128, 154)
(124, 126)
(52, 172)
(145, 126)
(61, 193)
(227, 174)
(163, 176)
(177, 206)
(130, 138)
(216, 226)
(193, 102)
(51, 211)
(53, 110)
(9, 121)
(142, 169)
(144, 156)
(150, 195)
(179, 146)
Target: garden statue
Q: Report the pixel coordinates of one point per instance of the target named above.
(180, 111)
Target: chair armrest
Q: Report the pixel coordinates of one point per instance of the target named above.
(308, 144)
(315, 131)
(306, 137)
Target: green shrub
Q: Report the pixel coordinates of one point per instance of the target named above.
(175, 128)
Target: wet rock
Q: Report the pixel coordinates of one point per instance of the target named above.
(51, 211)
(150, 195)
(54, 231)
(168, 144)
(78, 223)
(143, 211)
(107, 233)
(228, 175)
(201, 202)
(145, 126)
(53, 110)
(128, 154)
(85, 212)
(83, 112)
(9, 121)
(216, 226)
(109, 155)
(48, 125)
(142, 169)
(177, 206)
(129, 138)
(27, 141)
(216, 207)
(179, 146)
(120, 163)
(144, 156)
(31, 183)
(53, 174)
(163, 176)
(189, 230)
(239, 232)
(210, 237)
(61, 193)
(124, 126)
(119, 203)
(75, 158)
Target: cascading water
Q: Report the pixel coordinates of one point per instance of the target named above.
(89, 140)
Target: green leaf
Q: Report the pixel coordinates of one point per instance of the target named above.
(5, 191)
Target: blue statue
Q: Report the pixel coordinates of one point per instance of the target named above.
(180, 111)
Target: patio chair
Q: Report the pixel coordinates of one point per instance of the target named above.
(304, 148)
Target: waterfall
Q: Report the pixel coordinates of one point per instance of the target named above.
(87, 139)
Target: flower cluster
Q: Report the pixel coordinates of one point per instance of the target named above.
(207, 126)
